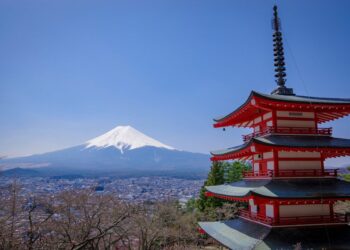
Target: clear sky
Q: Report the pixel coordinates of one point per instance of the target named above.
(73, 69)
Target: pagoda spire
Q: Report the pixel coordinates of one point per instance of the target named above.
(279, 63)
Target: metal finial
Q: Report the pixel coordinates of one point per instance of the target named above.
(278, 50)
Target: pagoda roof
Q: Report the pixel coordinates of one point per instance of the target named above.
(243, 234)
(257, 103)
(236, 234)
(304, 99)
(331, 146)
(284, 188)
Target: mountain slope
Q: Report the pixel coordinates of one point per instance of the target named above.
(121, 150)
(125, 137)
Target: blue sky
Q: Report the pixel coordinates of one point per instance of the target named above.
(71, 70)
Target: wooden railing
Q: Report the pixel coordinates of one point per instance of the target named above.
(315, 219)
(289, 131)
(292, 173)
(253, 174)
(256, 217)
(307, 173)
(295, 220)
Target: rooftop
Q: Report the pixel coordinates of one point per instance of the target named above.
(242, 234)
(287, 142)
(285, 188)
(327, 108)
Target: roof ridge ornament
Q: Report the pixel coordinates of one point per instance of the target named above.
(279, 63)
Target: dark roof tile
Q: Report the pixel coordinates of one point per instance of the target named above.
(285, 188)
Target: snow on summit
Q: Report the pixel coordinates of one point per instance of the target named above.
(125, 138)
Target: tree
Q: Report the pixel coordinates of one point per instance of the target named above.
(215, 177)
(82, 219)
(346, 177)
(38, 213)
(86, 220)
(10, 216)
(163, 225)
(212, 208)
(234, 171)
(190, 205)
(216, 174)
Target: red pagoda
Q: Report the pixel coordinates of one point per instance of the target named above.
(289, 195)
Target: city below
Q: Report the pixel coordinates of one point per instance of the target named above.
(135, 190)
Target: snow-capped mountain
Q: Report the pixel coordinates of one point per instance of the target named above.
(125, 138)
(122, 150)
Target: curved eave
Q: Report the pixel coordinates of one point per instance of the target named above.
(236, 234)
(328, 146)
(230, 119)
(242, 234)
(240, 152)
(304, 99)
(327, 109)
(282, 190)
(228, 192)
(283, 200)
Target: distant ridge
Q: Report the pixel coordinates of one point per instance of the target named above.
(20, 172)
(121, 151)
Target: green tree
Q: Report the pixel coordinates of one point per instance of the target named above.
(202, 199)
(190, 205)
(220, 173)
(216, 174)
(234, 171)
(346, 177)
(215, 177)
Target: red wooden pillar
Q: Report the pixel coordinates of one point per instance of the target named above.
(275, 162)
(274, 119)
(262, 210)
(276, 212)
(331, 210)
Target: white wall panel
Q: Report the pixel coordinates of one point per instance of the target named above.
(295, 114)
(295, 124)
(290, 154)
(304, 210)
(270, 165)
(256, 167)
(269, 210)
(286, 165)
(254, 209)
(268, 155)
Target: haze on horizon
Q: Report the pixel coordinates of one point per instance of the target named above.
(72, 70)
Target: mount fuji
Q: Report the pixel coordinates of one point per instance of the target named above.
(125, 138)
(122, 151)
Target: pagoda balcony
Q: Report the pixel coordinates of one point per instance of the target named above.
(256, 217)
(308, 173)
(295, 220)
(291, 173)
(260, 174)
(289, 131)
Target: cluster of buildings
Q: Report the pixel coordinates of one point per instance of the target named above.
(142, 189)
(154, 188)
